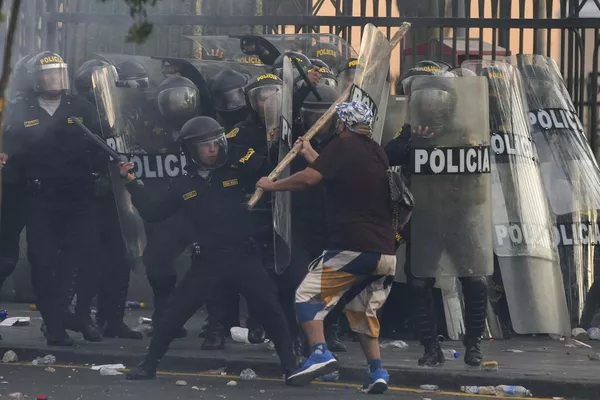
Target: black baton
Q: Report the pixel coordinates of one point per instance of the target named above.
(97, 140)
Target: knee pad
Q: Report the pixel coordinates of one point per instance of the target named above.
(474, 285)
(421, 284)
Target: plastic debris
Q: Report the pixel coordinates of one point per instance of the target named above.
(594, 333)
(215, 371)
(232, 383)
(555, 336)
(10, 356)
(429, 387)
(181, 383)
(16, 321)
(143, 328)
(223, 373)
(594, 356)
(333, 377)
(580, 334)
(32, 307)
(16, 396)
(109, 372)
(248, 374)
(4, 382)
(110, 366)
(50, 369)
(576, 343)
(262, 390)
(450, 354)
(513, 351)
(195, 388)
(48, 359)
(41, 397)
(144, 320)
(485, 390)
(239, 334)
(130, 305)
(394, 344)
(558, 398)
(512, 391)
(490, 366)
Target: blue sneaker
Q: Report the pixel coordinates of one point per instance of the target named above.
(315, 366)
(377, 382)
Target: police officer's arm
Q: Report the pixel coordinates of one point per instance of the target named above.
(151, 207)
(398, 149)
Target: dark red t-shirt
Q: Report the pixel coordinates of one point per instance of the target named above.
(359, 208)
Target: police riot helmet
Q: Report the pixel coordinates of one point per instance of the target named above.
(327, 76)
(227, 91)
(20, 78)
(312, 109)
(262, 90)
(178, 98)
(169, 69)
(347, 73)
(203, 141)
(443, 65)
(49, 73)
(462, 72)
(83, 77)
(432, 102)
(327, 52)
(422, 68)
(301, 58)
(133, 74)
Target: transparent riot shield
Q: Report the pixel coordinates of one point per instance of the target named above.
(395, 118)
(223, 48)
(153, 65)
(523, 227)
(570, 173)
(282, 212)
(451, 226)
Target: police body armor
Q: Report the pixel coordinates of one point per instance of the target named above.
(451, 226)
(523, 229)
(570, 173)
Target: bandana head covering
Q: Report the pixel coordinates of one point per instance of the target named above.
(355, 113)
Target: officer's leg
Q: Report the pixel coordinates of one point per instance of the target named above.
(592, 305)
(260, 292)
(475, 291)
(12, 222)
(190, 295)
(166, 241)
(220, 307)
(116, 272)
(423, 316)
(80, 253)
(43, 237)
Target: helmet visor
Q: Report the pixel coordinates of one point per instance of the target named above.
(178, 101)
(208, 153)
(51, 78)
(258, 96)
(346, 78)
(134, 83)
(231, 100)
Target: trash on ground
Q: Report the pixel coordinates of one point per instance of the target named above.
(110, 372)
(16, 321)
(555, 336)
(16, 396)
(558, 398)
(223, 373)
(594, 356)
(110, 366)
(485, 390)
(131, 305)
(333, 377)
(512, 391)
(429, 387)
(580, 334)
(490, 366)
(262, 390)
(143, 328)
(32, 307)
(394, 344)
(570, 342)
(594, 333)
(232, 383)
(144, 320)
(450, 354)
(195, 388)
(50, 369)
(248, 374)
(181, 383)
(48, 359)
(513, 351)
(41, 397)
(239, 334)
(4, 382)
(215, 371)
(10, 356)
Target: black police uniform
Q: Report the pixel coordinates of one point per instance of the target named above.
(228, 254)
(52, 155)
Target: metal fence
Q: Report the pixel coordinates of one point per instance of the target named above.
(448, 30)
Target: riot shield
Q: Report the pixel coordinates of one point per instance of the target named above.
(228, 46)
(395, 117)
(570, 173)
(371, 86)
(451, 226)
(154, 66)
(523, 228)
(282, 212)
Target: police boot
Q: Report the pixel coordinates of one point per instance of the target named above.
(256, 333)
(433, 354)
(120, 330)
(59, 338)
(146, 370)
(215, 337)
(333, 341)
(473, 353)
(88, 329)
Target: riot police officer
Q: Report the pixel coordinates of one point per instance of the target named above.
(345, 76)
(435, 102)
(328, 53)
(213, 197)
(51, 154)
(229, 100)
(114, 270)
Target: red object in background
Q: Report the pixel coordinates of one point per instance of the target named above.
(42, 397)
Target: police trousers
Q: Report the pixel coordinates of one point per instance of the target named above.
(62, 240)
(240, 268)
(12, 222)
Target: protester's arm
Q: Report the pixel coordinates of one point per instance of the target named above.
(299, 181)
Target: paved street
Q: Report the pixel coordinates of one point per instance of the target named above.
(81, 383)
